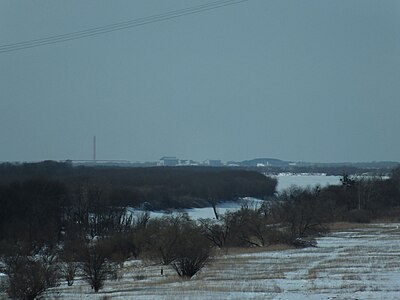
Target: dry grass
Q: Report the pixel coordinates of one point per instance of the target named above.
(392, 266)
(341, 226)
(351, 277)
(278, 247)
(249, 250)
(312, 274)
(340, 265)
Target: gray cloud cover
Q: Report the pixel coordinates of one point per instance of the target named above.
(299, 80)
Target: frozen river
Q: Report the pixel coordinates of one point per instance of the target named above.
(304, 180)
(284, 181)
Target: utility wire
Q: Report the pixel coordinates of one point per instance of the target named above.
(117, 26)
(113, 27)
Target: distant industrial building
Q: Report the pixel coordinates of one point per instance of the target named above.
(188, 162)
(168, 161)
(213, 163)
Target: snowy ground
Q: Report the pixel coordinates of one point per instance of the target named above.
(356, 264)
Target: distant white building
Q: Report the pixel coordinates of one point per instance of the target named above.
(213, 163)
(168, 161)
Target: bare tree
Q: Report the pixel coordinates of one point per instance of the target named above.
(217, 232)
(192, 254)
(69, 271)
(141, 220)
(245, 227)
(365, 189)
(305, 212)
(164, 237)
(213, 201)
(96, 265)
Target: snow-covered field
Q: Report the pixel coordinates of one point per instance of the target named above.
(355, 264)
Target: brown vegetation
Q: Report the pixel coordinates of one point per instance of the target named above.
(95, 235)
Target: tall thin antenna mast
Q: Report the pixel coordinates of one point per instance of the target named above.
(94, 147)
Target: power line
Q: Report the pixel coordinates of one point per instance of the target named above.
(117, 26)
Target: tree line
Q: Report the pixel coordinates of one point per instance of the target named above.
(154, 187)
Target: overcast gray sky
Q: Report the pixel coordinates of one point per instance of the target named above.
(296, 80)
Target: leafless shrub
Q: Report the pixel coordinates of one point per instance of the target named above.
(217, 232)
(29, 276)
(192, 254)
(164, 236)
(96, 264)
(69, 271)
